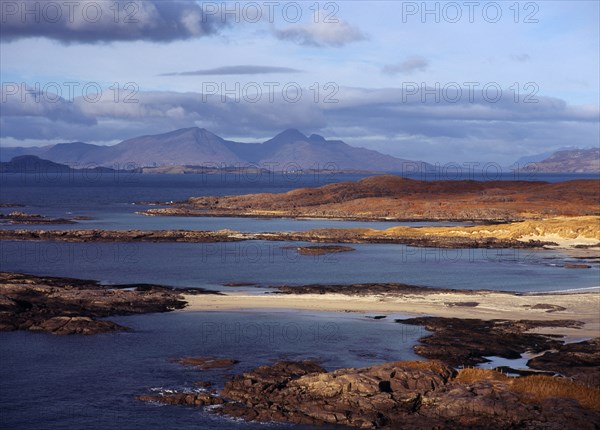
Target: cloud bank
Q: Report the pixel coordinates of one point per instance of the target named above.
(236, 70)
(104, 21)
(395, 121)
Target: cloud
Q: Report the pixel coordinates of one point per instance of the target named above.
(396, 121)
(102, 21)
(520, 58)
(321, 32)
(408, 66)
(236, 70)
(20, 100)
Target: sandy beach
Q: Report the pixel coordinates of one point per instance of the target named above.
(583, 306)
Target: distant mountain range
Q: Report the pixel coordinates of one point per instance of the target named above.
(567, 161)
(34, 164)
(177, 150)
(290, 150)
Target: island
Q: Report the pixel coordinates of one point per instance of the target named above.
(395, 198)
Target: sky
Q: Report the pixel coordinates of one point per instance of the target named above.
(434, 81)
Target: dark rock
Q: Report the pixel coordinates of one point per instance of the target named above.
(71, 306)
(548, 307)
(19, 217)
(577, 266)
(73, 325)
(411, 395)
(322, 250)
(369, 289)
(580, 361)
(205, 363)
(462, 304)
(464, 342)
(190, 399)
(407, 395)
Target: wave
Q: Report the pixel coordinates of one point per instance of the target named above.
(568, 291)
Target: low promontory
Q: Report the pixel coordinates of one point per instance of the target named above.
(396, 198)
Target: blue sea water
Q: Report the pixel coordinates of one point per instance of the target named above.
(90, 382)
(113, 198)
(77, 382)
(209, 265)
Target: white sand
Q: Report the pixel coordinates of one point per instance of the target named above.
(583, 307)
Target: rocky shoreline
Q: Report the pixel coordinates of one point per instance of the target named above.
(408, 395)
(316, 236)
(18, 217)
(322, 250)
(372, 289)
(558, 390)
(72, 306)
(414, 395)
(462, 342)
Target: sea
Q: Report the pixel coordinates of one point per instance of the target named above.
(90, 382)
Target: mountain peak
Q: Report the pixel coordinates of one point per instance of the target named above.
(317, 138)
(196, 134)
(291, 134)
(189, 130)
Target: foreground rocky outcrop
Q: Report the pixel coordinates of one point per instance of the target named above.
(579, 361)
(465, 342)
(462, 342)
(72, 306)
(407, 395)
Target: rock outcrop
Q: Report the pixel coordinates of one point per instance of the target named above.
(19, 217)
(323, 250)
(414, 238)
(407, 395)
(465, 342)
(71, 306)
(580, 361)
(205, 363)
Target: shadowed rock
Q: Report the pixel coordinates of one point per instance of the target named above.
(399, 395)
(205, 363)
(71, 306)
(579, 361)
(465, 342)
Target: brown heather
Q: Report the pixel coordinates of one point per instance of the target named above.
(538, 387)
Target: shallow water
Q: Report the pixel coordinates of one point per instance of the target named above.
(78, 382)
(89, 382)
(209, 265)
